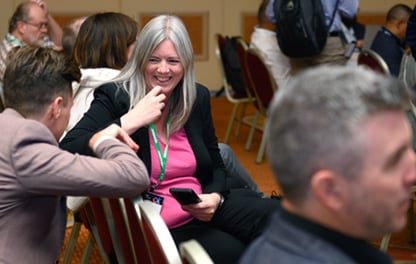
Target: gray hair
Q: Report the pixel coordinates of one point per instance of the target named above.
(132, 78)
(314, 123)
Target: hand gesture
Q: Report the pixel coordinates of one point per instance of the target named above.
(116, 132)
(146, 111)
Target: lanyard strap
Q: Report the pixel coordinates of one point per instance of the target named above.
(162, 157)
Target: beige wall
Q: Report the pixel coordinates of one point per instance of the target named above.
(224, 16)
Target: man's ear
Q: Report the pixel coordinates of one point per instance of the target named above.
(328, 188)
(56, 107)
(20, 25)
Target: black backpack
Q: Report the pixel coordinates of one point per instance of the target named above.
(232, 65)
(300, 26)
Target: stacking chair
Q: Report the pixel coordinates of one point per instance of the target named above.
(138, 238)
(242, 48)
(234, 98)
(72, 241)
(99, 227)
(129, 230)
(264, 88)
(373, 60)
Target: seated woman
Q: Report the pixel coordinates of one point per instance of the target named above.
(104, 44)
(156, 100)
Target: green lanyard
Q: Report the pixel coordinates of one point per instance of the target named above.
(162, 157)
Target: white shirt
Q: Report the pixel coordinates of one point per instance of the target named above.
(278, 64)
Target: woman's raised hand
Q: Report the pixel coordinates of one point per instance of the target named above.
(146, 111)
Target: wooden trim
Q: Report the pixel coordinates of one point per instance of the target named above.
(64, 18)
(249, 21)
(372, 18)
(197, 25)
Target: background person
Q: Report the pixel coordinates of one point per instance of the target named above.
(30, 25)
(70, 33)
(333, 51)
(389, 41)
(35, 174)
(264, 40)
(350, 188)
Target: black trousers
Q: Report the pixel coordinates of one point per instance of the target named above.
(238, 222)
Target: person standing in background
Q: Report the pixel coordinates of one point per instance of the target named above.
(333, 51)
(264, 40)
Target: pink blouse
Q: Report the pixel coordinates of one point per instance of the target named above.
(180, 168)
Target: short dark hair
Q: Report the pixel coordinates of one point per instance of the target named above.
(398, 12)
(35, 76)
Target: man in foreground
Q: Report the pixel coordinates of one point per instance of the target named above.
(35, 175)
(341, 149)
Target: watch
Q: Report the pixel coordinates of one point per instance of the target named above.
(222, 199)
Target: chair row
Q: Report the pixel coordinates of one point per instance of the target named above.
(129, 230)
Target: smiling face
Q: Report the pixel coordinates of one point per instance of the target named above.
(164, 68)
(378, 199)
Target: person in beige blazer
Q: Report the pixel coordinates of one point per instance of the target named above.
(35, 174)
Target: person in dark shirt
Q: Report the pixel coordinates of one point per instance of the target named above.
(352, 187)
(390, 39)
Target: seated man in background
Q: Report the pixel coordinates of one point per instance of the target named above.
(35, 174)
(349, 188)
(264, 39)
(70, 33)
(30, 25)
(389, 41)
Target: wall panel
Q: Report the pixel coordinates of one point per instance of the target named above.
(229, 17)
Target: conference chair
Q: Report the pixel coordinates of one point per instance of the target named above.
(264, 89)
(237, 99)
(373, 60)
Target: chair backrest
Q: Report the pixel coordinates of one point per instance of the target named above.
(159, 240)
(97, 222)
(220, 42)
(119, 230)
(262, 82)
(242, 48)
(373, 60)
(193, 253)
(138, 237)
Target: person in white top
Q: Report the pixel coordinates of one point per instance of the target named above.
(264, 40)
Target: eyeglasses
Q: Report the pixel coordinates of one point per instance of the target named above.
(38, 25)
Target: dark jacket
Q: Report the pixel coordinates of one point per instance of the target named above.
(111, 102)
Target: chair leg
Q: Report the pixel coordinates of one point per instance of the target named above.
(87, 250)
(384, 245)
(262, 148)
(72, 241)
(240, 120)
(230, 123)
(252, 130)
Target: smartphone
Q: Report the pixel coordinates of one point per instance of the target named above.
(185, 195)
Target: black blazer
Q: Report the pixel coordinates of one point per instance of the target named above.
(111, 102)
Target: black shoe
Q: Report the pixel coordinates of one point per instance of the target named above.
(276, 196)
